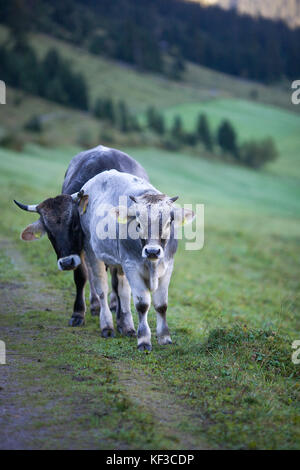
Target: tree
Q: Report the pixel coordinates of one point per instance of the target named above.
(227, 138)
(109, 111)
(160, 126)
(98, 108)
(203, 132)
(34, 124)
(177, 129)
(150, 116)
(257, 153)
(124, 117)
(177, 66)
(156, 121)
(134, 123)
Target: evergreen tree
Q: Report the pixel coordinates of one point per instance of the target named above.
(150, 115)
(177, 66)
(227, 138)
(98, 108)
(124, 117)
(109, 111)
(134, 123)
(203, 132)
(177, 129)
(34, 124)
(156, 121)
(159, 124)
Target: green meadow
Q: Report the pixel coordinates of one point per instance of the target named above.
(227, 381)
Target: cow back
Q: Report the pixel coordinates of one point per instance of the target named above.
(90, 163)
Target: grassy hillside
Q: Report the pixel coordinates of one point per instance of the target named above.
(233, 313)
(251, 120)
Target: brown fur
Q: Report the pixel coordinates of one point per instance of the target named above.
(54, 207)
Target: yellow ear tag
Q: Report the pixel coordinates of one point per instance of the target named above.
(38, 234)
(83, 204)
(122, 220)
(183, 222)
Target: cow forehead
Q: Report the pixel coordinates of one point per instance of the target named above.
(159, 212)
(53, 208)
(152, 198)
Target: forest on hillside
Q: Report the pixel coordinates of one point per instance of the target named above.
(161, 36)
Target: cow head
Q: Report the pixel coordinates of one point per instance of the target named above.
(155, 216)
(59, 219)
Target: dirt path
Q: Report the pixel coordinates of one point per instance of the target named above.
(20, 426)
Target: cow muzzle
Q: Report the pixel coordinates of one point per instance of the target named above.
(68, 263)
(152, 252)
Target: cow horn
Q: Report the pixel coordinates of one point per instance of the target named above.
(173, 199)
(29, 208)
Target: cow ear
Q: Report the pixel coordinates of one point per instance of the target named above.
(83, 204)
(183, 217)
(33, 232)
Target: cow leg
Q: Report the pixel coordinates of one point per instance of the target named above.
(99, 280)
(121, 286)
(142, 302)
(94, 299)
(80, 278)
(160, 300)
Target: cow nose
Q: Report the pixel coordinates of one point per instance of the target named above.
(68, 262)
(153, 252)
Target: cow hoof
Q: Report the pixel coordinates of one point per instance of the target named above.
(107, 333)
(164, 340)
(144, 347)
(76, 321)
(131, 334)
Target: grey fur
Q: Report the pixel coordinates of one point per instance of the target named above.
(126, 254)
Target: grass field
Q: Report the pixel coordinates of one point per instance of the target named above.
(227, 381)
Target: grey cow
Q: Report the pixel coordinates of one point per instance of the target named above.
(144, 262)
(59, 218)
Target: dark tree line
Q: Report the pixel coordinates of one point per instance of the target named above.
(144, 33)
(252, 153)
(118, 115)
(51, 78)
